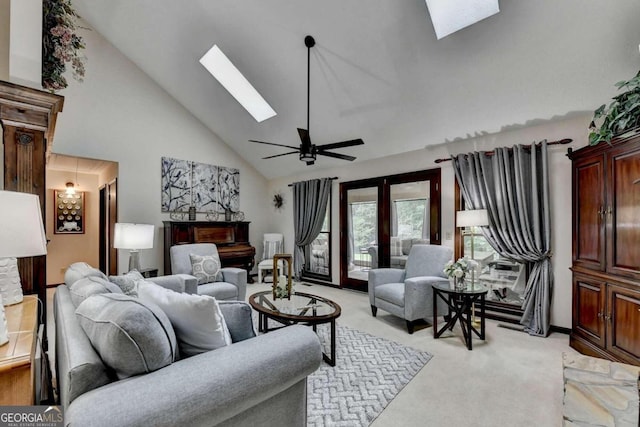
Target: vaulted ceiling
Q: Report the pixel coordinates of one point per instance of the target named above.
(377, 71)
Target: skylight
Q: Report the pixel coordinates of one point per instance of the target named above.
(449, 16)
(216, 62)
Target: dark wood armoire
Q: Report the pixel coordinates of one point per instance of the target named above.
(606, 250)
(28, 119)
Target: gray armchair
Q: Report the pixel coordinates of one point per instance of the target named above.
(407, 293)
(232, 282)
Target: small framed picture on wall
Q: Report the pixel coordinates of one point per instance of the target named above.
(69, 212)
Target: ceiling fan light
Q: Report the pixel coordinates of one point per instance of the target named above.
(307, 157)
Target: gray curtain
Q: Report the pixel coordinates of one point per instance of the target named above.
(394, 218)
(513, 185)
(310, 200)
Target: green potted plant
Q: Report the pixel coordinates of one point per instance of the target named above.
(621, 115)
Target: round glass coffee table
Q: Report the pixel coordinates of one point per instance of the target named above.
(302, 308)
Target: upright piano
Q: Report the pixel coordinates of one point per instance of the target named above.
(231, 239)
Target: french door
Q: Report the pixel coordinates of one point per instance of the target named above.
(381, 218)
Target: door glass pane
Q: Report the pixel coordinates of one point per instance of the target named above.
(409, 219)
(362, 226)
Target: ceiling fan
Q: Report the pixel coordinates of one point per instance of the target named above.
(307, 150)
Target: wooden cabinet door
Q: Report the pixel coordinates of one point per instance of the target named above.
(589, 211)
(623, 319)
(589, 301)
(623, 212)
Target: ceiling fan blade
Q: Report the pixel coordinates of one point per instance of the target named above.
(271, 143)
(342, 144)
(336, 155)
(278, 155)
(304, 137)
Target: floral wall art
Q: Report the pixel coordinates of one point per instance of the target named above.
(207, 187)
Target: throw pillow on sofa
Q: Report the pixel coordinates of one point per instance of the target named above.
(88, 286)
(196, 319)
(206, 268)
(131, 337)
(79, 270)
(127, 282)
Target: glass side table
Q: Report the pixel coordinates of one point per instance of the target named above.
(459, 303)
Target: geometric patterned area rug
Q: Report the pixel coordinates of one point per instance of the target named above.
(370, 371)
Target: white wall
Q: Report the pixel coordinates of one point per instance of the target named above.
(25, 43)
(118, 113)
(574, 128)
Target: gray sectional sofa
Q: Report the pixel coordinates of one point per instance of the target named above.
(257, 380)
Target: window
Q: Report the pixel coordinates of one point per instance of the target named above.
(318, 253)
(410, 218)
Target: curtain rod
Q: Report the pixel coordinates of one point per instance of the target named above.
(332, 178)
(490, 153)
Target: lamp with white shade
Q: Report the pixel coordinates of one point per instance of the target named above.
(133, 237)
(21, 235)
(472, 218)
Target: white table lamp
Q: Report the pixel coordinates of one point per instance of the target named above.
(21, 235)
(133, 237)
(472, 218)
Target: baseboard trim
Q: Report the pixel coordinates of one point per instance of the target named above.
(560, 329)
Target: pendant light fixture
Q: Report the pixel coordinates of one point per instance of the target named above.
(70, 186)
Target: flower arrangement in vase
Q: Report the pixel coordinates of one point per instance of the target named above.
(281, 287)
(458, 271)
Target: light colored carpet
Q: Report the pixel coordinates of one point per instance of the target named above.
(511, 379)
(369, 373)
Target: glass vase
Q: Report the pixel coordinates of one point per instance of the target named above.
(459, 283)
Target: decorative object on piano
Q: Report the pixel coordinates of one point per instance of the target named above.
(282, 286)
(21, 235)
(238, 216)
(278, 200)
(192, 213)
(207, 187)
(69, 212)
(177, 216)
(227, 215)
(133, 237)
(621, 115)
(211, 216)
